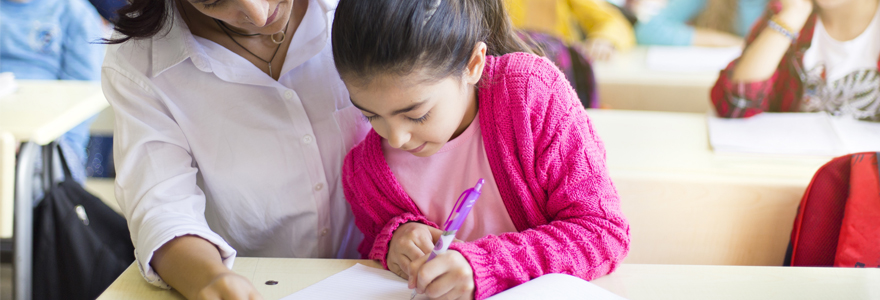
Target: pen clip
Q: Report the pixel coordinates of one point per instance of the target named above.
(462, 207)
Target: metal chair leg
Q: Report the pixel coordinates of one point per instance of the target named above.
(23, 229)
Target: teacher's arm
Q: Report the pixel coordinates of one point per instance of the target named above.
(157, 192)
(193, 266)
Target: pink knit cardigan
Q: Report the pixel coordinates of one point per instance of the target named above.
(550, 169)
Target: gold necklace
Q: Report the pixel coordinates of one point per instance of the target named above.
(226, 30)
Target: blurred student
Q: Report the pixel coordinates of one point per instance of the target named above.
(51, 40)
(807, 56)
(595, 26)
(715, 23)
(572, 33)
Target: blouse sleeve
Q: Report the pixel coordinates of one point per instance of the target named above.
(155, 172)
(744, 99)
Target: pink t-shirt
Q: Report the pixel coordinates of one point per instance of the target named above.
(434, 183)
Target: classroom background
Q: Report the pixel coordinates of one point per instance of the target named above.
(697, 189)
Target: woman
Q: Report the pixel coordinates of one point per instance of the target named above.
(231, 126)
(709, 23)
(807, 56)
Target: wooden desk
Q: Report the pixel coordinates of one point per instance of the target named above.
(38, 113)
(634, 282)
(688, 205)
(625, 82)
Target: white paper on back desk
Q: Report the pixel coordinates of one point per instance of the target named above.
(362, 282)
(794, 133)
(690, 59)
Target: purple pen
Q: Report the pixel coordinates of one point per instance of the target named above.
(453, 222)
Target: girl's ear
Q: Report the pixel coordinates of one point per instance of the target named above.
(475, 66)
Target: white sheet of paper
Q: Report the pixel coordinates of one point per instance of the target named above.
(557, 287)
(690, 59)
(358, 282)
(366, 283)
(776, 133)
(7, 83)
(857, 136)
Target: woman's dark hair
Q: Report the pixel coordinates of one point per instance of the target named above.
(141, 19)
(373, 37)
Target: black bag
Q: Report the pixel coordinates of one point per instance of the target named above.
(80, 244)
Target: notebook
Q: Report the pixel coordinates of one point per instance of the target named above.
(794, 134)
(362, 282)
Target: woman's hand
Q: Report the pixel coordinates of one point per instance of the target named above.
(229, 286)
(410, 242)
(193, 267)
(447, 276)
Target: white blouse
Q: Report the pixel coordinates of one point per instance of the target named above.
(206, 144)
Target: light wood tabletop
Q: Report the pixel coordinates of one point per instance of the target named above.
(40, 111)
(689, 205)
(635, 282)
(626, 82)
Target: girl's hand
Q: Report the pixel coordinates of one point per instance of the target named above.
(795, 13)
(447, 276)
(409, 242)
(598, 49)
(229, 286)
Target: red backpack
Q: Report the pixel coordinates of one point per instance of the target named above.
(838, 220)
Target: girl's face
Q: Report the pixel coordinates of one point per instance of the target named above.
(418, 116)
(249, 16)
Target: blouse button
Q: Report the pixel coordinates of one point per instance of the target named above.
(319, 186)
(288, 94)
(307, 139)
(324, 232)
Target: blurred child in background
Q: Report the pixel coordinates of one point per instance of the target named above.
(572, 33)
(715, 23)
(807, 56)
(51, 40)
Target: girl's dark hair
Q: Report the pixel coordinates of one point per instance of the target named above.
(373, 37)
(141, 19)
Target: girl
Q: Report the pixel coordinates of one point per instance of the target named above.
(805, 55)
(450, 102)
(710, 23)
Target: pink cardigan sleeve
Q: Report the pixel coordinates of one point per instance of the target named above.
(586, 235)
(377, 212)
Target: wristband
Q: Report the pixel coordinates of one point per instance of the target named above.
(782, 28)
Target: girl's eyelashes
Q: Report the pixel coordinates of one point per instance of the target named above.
(422, 119)
(212, 4)
(419, 120)
(371, 118)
